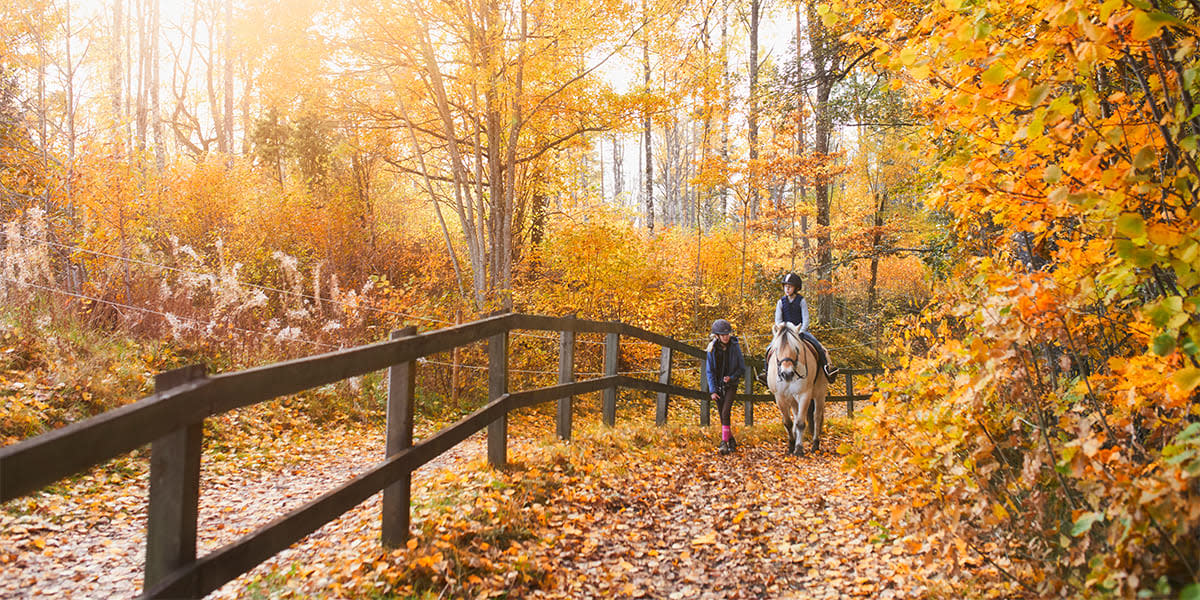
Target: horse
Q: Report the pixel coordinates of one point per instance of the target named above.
(798, 385)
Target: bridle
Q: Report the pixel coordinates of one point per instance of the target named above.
(779, 361)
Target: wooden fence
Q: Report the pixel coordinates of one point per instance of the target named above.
(171, 421)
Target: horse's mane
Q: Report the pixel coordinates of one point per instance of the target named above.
(788, 334)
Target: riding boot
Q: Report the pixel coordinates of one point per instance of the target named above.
(732, 444)
(723, 448)
(831, 372)
(762, 377)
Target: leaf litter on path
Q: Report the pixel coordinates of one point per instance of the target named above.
(632, 512)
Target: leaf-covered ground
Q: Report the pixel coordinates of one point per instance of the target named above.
(631, 512)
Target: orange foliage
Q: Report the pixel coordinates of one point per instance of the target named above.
(1046, 418)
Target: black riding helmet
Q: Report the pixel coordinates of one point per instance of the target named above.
(722, 327)
(793, 279)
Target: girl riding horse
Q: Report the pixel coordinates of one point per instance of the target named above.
(723, 367)
(792, 308)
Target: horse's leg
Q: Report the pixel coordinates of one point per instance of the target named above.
(799, 425)
(785, 410)
(818, 424)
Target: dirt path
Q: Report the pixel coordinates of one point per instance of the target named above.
(89, 542)
(665, 517)
(755, 524)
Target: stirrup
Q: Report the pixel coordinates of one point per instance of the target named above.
(831, 372)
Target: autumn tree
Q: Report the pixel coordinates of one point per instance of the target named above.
(1062, 363)
(830, 60)
(480, 113)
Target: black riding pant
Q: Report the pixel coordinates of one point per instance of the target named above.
(821, 357)
(725, 404)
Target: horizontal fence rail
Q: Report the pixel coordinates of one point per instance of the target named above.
(171, 421)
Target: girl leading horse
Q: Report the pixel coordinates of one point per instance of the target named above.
(723, 366)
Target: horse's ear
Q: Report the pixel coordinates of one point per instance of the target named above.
(776, 329)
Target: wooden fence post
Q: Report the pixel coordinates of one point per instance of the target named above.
(566, 374)
(849, 394)
(706, 401)
(174, 489)
(497, 434)
(748, 405)
(612, 345)
(397, 496)
(664, 376)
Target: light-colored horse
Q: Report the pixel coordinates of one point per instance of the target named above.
(797, 382)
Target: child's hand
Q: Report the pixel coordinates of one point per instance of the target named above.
(716, 398)
(726, 380)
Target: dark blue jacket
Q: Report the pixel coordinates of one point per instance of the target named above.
(734, 365)
(793, 311)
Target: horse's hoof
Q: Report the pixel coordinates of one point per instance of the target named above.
(816, 447)
(799, 450)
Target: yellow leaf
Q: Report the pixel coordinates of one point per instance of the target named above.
(996, 74)
(705, 540)
(1186, 379)
(1146, 25)
(1145, 157)
(999, 511)
(1162, 234)
(739, 517)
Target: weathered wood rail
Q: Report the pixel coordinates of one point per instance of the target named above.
(171, 421)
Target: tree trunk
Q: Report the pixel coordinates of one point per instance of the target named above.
(510, 164)
(472, 221)
(800, 197)
(143, 74)
(618, 175)
(824, 61)
(71, 131)
(246, 118)
(876, 238)
(649, 182)
(115, 77)
(128, 115)
(752, 116)
(210, 74)
(727, 104)
(155, 115)
(229, 74)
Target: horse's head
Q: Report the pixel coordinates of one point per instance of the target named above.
(785, 351)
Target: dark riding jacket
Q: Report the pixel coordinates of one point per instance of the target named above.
(792, 311)
(724, 362)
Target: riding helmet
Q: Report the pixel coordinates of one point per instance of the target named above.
(722, 327)
(793, 279)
